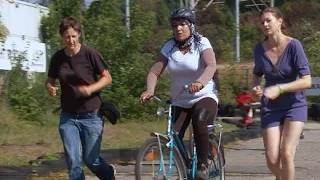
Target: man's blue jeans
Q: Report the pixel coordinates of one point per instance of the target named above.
(81, 134)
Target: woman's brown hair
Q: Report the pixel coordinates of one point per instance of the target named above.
(67, 23)
(276, 13)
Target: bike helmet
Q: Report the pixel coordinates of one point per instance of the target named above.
(182, 13)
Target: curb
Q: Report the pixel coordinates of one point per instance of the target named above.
(116, 156)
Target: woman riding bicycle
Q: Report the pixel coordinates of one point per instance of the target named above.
(191, 61)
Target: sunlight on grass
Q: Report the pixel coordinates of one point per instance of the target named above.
(133, 134)
(130, 134)
(28, 143)
(21, 142)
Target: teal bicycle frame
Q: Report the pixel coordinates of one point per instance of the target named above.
(174, 141)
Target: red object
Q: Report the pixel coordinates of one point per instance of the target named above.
(150, 156)
(243, 98)
(248, 118)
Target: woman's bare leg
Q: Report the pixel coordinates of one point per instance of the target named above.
(290, 136)
(271, 140)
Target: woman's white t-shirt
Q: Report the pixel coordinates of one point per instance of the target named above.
(185, 69)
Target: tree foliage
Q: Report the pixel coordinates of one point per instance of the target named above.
(26, 94)
(130, 57)
(104, 29)
(3, 31)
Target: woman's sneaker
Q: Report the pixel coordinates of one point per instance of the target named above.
(114, 171)
(211, 166)
(202, 172)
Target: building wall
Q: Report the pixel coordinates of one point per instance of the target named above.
(40, 2)
(22, 20)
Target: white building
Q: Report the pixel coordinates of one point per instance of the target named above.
(22, 20)
(40, 2)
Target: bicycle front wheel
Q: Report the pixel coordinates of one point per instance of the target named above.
(216, 160)
(153, 162)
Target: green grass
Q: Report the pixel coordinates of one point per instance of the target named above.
(22, 143)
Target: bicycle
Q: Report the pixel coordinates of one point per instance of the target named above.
(167, 157)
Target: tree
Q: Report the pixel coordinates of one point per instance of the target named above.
(124, 55)
(104, 29)
(3, 31)
(129, 58)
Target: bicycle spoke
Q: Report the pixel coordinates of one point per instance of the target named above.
(154, 163)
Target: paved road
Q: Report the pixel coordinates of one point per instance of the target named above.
(245, 161)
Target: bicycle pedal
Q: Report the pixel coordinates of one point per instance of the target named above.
(302, 136)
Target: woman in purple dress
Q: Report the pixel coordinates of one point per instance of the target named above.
(282, 61)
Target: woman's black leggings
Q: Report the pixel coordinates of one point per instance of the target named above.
(202, 114)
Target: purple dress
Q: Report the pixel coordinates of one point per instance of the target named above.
(292, 64)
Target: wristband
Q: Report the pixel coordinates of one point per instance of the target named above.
(281, 90)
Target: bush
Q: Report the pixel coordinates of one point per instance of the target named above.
(26, 94)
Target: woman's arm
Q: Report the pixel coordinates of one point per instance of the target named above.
(300, 84)
(302, 66)
(272, 92)
(155, 71)
(152, 78)
(209, 59)
(105, 79)
(50, 86)
(256, 80)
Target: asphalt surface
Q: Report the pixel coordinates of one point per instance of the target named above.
(246, 160)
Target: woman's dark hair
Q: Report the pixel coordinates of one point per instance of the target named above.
(67, 23)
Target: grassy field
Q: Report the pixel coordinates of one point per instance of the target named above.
(22, 142)
(125, 135)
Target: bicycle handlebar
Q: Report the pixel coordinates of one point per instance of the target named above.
(157, 99)
(184, 88)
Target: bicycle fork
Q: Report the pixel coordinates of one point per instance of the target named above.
(193, 155)
(162, 170)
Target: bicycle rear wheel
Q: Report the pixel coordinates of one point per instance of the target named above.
(216, 160)
(149, 165)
